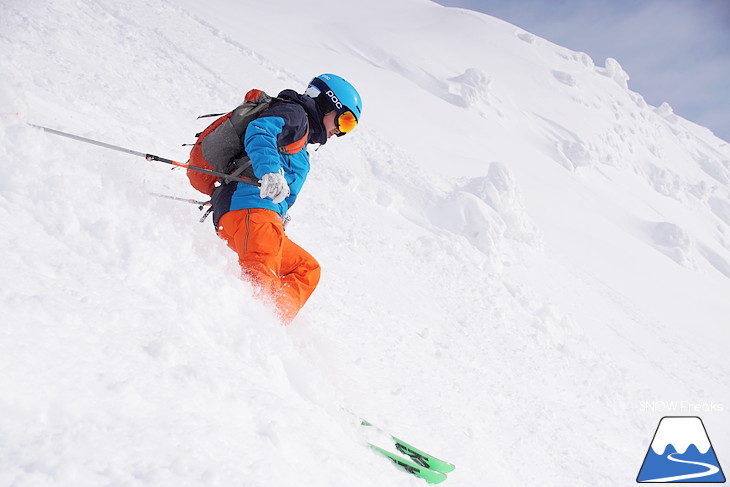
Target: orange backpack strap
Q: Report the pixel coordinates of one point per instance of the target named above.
(296, 146)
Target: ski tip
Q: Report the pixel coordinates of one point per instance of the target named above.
(430, 476)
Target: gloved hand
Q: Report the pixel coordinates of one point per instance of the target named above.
(274, 185)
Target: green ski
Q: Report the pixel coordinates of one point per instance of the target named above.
(430, 476)
(417, 456)
(422, 458)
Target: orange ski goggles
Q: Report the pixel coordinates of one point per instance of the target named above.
(345, 122)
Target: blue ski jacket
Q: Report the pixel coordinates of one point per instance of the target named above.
(276, 142)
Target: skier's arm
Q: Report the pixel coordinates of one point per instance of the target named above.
(261, 142)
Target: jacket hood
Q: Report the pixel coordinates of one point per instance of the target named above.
(317, 132)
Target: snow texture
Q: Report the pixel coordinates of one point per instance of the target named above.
(517, 251)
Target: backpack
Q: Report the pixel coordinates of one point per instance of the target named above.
(220, 146)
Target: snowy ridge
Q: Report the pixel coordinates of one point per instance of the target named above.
(516, 251)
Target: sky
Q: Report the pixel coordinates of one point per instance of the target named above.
(675, 51)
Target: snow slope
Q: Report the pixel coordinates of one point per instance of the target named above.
(518, 253)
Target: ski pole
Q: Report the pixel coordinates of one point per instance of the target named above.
(149, 157)
(201, 204)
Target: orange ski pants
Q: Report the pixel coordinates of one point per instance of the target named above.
(283, 273)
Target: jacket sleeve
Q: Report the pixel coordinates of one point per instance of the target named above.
(261, 144)
(277, 127)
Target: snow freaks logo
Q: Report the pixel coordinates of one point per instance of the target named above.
(681, 452)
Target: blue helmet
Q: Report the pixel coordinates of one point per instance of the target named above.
(332, 92)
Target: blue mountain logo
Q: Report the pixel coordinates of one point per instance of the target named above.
(681, 452)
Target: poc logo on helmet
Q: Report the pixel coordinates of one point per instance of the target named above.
(334, 99)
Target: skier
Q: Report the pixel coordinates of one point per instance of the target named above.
(251, 219)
